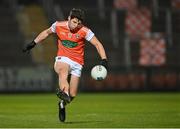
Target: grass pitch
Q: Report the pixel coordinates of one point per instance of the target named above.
(106, 110)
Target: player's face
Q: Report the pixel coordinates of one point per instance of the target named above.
(74, 24)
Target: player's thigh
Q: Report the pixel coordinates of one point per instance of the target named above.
(74, 81)
(61, 69)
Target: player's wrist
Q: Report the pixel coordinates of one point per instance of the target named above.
(104, 59)
(104, 62)
(33, 42)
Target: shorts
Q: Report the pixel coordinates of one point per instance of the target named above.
(75, 68)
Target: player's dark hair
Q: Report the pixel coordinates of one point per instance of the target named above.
(77, 13)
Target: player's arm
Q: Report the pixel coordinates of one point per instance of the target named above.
(100, 49)
(43, 35)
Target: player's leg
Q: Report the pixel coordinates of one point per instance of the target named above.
(74, 81)
(62, 69)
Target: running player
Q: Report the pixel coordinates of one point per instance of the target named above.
(70, 56)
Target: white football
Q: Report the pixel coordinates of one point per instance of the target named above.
(98, 72)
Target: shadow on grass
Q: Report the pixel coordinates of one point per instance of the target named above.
(81, 122)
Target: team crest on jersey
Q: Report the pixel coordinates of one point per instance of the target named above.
(77, 36)
(69, 35)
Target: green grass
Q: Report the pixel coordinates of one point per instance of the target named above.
(92, 110)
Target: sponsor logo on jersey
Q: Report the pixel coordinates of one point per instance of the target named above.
(69, 44)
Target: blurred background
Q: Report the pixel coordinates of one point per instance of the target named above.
(141, 37)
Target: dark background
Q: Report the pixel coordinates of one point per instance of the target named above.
(22, 20)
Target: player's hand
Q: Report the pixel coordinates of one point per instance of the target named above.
(104, 63)
(29, 46)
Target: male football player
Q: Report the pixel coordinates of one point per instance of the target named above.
(70, 55)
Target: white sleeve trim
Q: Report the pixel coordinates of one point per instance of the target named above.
(89, 35)
(53, 27)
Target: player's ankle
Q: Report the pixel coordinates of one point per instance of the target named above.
(72, 97)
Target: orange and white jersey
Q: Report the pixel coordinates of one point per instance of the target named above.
(71, 44)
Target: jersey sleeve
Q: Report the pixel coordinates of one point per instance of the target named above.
(89, 35)
(53, 27)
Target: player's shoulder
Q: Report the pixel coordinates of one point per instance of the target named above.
(85, 29)
(61, 23)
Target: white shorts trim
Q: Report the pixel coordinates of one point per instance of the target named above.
(75, 68)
